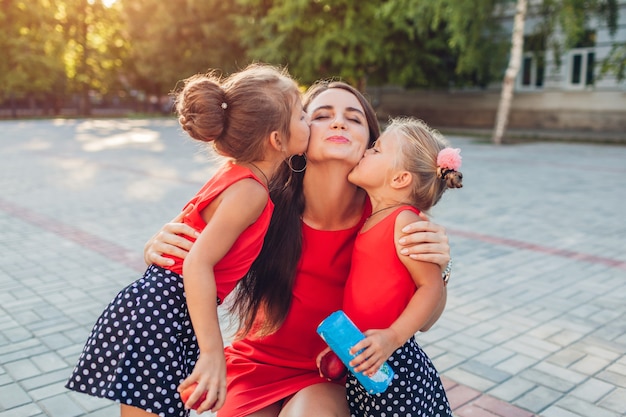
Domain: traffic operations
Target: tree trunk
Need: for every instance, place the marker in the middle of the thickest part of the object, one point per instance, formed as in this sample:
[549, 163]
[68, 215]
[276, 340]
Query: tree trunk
[517, 40]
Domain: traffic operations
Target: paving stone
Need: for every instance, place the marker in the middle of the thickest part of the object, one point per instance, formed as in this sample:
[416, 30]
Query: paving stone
[50, 378]
[615, 401]
[590, 365]
[526, 349]
[12, 396]
[56, 341]
[600, 348]
[22, 354]
[566, 357]
[512, 389]
[47, 391]
[471, 410]
[18, 347]
[28, 410]
[17, 334]
[6, 379]
[612, 378]
[516, 363]
[60, 406]
[494, 356]
[469, 379]
[538, 399]
[22, 369]
[617, 368]
[485, 371]
[91, 404]
[49, 362]
[565, 337]
[558, 372]
[546, 331]
[547, 380]
[556, 411]
[576, 405]
[25, 317]
[592, 390]
[500, 336]
[500, 408]
[461, 395]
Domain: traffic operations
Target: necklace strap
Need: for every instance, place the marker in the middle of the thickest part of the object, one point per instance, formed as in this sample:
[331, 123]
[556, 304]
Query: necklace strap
[267, 181]
[385, 208]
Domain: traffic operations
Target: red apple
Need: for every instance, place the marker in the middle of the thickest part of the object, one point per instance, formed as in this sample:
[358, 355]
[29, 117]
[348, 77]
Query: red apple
[184, 396]
[331, 366]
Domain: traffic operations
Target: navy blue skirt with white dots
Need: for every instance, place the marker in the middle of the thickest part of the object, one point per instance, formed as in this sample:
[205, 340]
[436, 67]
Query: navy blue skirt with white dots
[141, 347]
[416, 389]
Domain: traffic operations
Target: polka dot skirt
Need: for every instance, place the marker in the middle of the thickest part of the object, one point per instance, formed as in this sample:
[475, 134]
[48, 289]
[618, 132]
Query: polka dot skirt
[141, 347]
[416, 389]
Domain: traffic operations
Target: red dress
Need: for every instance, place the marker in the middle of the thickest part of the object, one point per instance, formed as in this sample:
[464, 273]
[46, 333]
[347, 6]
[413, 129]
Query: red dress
[379, 287]
[159, 348]
[263, 371]
[235, 264]
[377, 292]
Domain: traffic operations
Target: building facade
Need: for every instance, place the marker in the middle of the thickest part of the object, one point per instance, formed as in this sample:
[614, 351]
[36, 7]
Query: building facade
[549, 95]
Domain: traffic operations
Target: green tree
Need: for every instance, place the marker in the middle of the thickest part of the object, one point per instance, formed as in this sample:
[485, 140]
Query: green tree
[421, 51]
[32, 46]
[171, 40]
[317, 39]
[404, 42]
[95, 48]
[615, 63]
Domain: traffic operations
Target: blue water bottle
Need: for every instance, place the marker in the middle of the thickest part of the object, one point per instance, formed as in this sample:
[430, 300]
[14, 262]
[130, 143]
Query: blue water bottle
[340, 333]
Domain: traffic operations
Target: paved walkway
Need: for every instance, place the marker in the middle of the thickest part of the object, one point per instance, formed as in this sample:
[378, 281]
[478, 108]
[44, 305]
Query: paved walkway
[536, 318]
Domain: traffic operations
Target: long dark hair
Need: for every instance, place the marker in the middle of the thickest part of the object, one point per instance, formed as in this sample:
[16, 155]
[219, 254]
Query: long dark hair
[268, 286]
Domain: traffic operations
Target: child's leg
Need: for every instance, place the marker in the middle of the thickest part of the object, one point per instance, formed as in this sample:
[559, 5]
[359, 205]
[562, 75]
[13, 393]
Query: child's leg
[130, 411]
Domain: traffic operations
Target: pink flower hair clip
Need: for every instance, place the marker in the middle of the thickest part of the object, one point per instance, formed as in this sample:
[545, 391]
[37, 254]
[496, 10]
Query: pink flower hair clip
[448, 159]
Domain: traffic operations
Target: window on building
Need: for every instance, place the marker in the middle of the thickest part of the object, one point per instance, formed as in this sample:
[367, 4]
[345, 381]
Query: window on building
[582, 61]
[533, 63]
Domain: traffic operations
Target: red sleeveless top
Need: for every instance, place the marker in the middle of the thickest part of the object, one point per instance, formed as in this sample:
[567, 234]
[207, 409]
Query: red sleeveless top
[234, 265]
[379, 286]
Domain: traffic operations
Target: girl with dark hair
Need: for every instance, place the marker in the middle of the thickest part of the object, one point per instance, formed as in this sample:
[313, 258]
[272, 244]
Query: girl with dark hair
[161, 333]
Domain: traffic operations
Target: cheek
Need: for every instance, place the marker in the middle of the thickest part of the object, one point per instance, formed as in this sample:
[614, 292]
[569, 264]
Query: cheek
[315, 135]
[305, 131]
[364, 139]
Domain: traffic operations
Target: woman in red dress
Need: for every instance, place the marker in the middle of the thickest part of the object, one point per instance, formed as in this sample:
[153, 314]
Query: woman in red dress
[303, 266]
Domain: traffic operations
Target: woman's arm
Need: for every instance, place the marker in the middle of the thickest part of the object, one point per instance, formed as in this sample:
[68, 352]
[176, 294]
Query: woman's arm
[170, 240]
[426, 241]
[438, 311]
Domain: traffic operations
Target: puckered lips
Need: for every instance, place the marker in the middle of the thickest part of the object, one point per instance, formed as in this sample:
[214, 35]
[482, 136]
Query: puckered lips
[338, 139]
